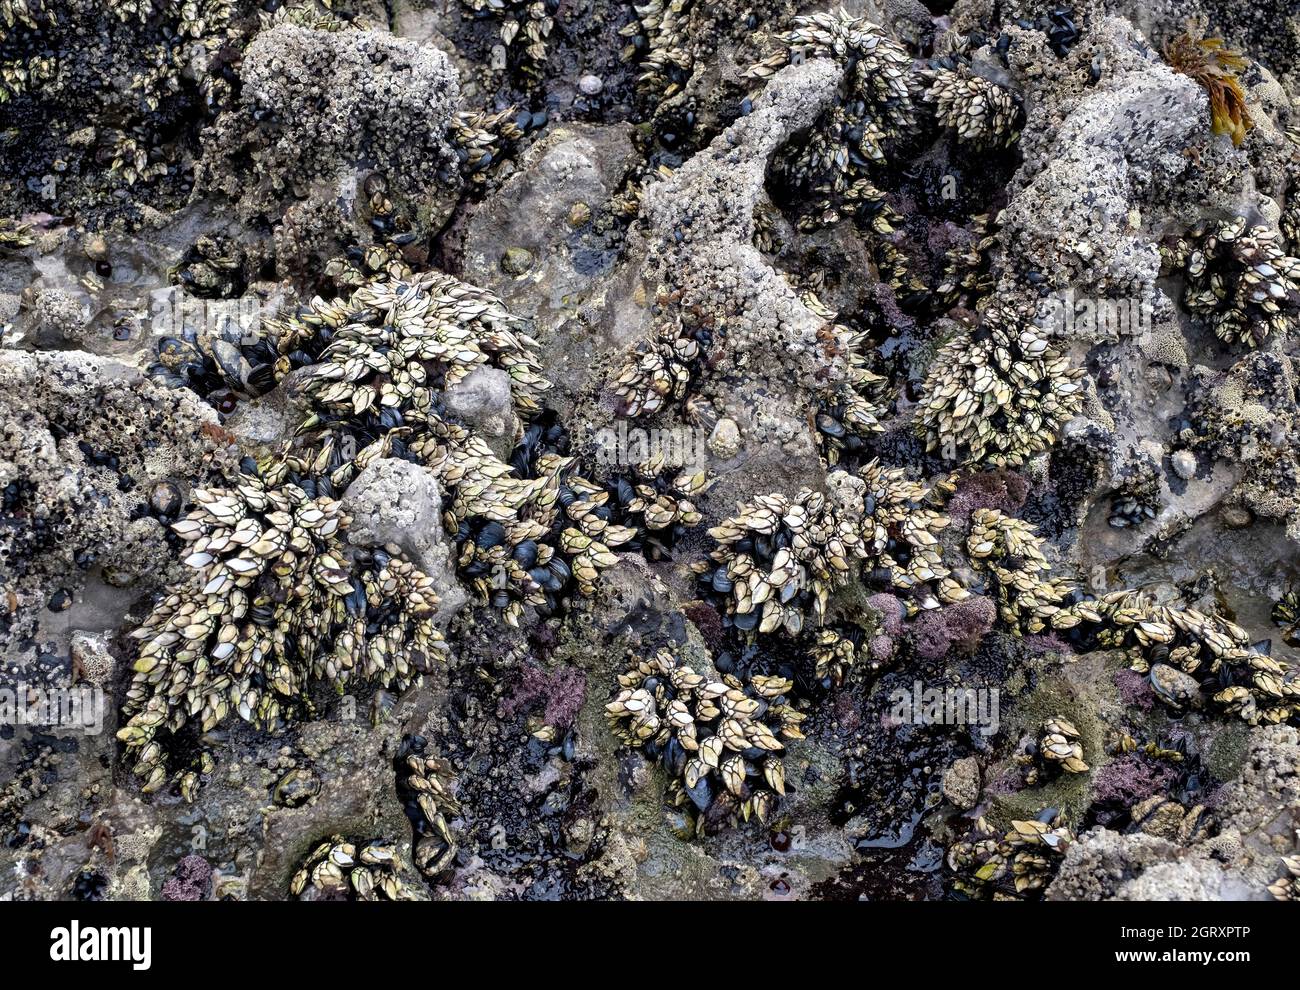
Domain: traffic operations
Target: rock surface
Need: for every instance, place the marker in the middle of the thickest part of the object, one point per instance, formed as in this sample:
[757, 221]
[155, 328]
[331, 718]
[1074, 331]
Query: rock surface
[701, 300]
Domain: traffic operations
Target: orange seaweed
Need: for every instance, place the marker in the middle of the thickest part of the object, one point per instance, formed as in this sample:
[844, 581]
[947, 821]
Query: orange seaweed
[1214, 66]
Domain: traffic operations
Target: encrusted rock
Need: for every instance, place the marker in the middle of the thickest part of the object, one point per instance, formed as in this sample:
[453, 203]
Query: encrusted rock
[397, 502]
[961, 783]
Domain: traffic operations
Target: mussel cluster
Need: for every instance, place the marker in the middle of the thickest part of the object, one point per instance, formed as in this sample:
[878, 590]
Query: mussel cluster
[526, 537]
[525, 25]
[851, 410]
[1214, 651]
[20, 25]
[1059, 26]
[220, 367]
[663, 367]
[968, 268]
[1009, 551]
[718, 739]
[427, 785]
[527, 530]
[659, 38]
[1239, 278]
[172, 52]
[998, 393]
[1136, 503]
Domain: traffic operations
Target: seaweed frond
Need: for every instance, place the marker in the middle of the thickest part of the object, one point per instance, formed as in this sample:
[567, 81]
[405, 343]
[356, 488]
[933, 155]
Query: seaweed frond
[1214, 66]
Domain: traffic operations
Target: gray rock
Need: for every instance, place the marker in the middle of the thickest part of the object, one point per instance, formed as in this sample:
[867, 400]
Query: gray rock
[91, 657]
[1235, 516]
[517, 261]
[395, 501]
[520, 243]
[155, 433]
[345, 101]
[482, 399]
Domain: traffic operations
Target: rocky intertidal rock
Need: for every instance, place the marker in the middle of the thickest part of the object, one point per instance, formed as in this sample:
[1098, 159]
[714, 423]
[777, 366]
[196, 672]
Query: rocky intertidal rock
[512, 449]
